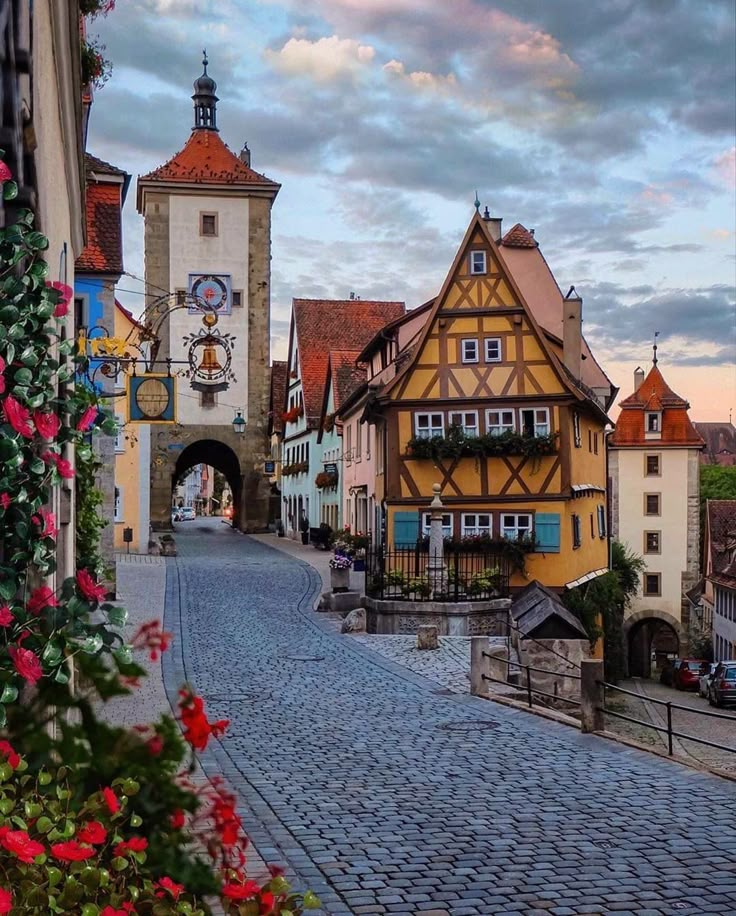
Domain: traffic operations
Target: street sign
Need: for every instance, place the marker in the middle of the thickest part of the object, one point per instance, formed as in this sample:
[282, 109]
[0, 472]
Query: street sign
[330, 468]
[269, 467]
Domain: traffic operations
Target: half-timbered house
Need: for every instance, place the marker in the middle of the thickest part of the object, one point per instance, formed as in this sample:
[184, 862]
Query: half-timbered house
[496, 396]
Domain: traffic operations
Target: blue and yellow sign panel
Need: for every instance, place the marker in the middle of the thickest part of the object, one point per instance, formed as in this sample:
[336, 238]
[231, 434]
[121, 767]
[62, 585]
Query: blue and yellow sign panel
[151, 398]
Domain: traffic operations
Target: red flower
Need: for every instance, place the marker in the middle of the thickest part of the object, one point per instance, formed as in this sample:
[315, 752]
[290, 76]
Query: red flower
[93, 833]
[240, 891]
[5, 500]
[168, 885]
[46, 519]
[155, 745]
[197, 728]
[91, 590]
[109, 911]
[150, 636]
[227, 822]
[20, 844]
[72, 851]
[47, 424]
[267, 902]
[62, 307]
[177, 819]
[26, 664]
[10, 755]
[18, 417]
[87, 419]
[63, 467]
[134, 844]
[6, 898]
[111, 800]
[41, 597]
[6, 616]
[5, 173]
[2, 377]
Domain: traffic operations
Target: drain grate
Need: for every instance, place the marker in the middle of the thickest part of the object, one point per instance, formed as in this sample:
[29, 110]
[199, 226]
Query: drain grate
[465, 727]
[305, 658]
[603, 844]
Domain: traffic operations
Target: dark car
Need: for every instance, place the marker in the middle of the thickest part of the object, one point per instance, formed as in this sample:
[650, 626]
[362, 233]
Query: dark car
[667, 675]
[723, 684]
[687, 675]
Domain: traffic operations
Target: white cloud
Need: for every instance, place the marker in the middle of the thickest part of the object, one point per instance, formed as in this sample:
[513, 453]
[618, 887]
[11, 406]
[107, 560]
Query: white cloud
[421, 79]
[325, 60]
[725, 166]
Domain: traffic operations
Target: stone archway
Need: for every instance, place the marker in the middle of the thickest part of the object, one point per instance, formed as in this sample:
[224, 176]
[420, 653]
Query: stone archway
[219, 456]
[647, 631]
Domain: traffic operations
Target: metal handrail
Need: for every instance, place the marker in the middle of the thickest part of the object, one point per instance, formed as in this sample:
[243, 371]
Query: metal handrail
[532, 668]
[529, 689]
[642, 696]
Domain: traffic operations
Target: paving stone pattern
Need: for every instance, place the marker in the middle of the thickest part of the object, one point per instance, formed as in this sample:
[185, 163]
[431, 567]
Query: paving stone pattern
[387, 796]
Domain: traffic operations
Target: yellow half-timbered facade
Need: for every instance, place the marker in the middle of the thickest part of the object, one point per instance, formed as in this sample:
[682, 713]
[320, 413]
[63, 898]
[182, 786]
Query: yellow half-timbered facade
[491, 404]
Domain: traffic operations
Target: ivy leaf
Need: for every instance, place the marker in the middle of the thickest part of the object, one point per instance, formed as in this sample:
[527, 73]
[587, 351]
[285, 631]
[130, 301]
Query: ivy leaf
[8, 588]
[117, 616]
[24, 376]
[9, 694]
[10, 190]
[61, 677]
[92, 645]
[123, 655]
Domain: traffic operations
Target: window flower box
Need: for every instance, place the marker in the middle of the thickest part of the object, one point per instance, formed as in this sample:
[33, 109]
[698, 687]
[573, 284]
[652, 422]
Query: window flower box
[456, 445]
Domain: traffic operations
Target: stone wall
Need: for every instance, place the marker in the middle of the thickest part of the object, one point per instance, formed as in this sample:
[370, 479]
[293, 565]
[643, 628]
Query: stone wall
[553, 655]
[465, 618]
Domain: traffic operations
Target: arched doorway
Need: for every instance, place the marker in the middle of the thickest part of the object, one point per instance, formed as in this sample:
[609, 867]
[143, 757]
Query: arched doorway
[652, 637]
[218, 456]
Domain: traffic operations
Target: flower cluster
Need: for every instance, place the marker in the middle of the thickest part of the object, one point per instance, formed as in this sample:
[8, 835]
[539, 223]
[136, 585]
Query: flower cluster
[197, 728]
[341, 561]
[293, 414]
[324, 480]
[153, 638]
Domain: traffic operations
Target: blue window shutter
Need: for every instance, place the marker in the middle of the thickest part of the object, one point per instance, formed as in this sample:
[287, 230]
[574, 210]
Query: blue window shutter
[406, 529]
[547, 532]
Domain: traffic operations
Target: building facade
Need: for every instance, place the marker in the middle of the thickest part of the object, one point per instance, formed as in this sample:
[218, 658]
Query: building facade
[499, 410]
[207, 232]
[719, 576]
[654, 468]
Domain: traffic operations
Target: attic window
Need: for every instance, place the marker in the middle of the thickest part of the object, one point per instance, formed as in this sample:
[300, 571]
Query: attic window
[477, 262]
[654, 422]
[208, 224]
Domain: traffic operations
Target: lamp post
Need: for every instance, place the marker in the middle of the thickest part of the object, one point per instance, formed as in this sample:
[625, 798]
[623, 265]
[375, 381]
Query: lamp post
[238, 423]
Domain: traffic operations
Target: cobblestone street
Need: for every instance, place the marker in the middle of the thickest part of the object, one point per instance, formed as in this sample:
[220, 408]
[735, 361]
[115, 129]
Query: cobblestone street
[387, 795]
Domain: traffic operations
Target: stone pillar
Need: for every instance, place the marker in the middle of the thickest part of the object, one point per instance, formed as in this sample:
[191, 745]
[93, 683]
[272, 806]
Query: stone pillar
[436, 569]
[479, 666]
[591, 695]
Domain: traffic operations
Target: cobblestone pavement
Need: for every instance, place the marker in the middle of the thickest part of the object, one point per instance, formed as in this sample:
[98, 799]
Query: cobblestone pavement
[387, 796]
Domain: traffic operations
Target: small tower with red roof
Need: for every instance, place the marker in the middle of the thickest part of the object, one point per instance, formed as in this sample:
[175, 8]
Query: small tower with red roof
[654, 483]
[207, 236]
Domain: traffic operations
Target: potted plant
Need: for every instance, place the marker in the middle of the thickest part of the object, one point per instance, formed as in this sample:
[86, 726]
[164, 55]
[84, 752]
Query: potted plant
[340, 566]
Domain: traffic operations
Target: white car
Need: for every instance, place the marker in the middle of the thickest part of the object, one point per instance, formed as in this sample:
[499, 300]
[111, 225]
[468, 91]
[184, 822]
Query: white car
[187, 514]
[704, 682]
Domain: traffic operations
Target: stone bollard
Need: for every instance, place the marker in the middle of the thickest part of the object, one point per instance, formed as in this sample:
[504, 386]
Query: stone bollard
[591, 695]
[427, 638]
[479, 665]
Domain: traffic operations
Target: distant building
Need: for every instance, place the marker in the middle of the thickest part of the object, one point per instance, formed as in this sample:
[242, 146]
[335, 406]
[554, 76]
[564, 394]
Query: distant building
[719, 569]
[275, 433]
[720, 443]
[654, 477]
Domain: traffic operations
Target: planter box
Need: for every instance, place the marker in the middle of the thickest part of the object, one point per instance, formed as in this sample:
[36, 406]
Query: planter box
[340, 579]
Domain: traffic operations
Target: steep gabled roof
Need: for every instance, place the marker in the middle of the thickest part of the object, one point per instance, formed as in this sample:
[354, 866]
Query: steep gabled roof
[277, 395]
[654, 394]
[519, 237]
[346, 375]
[322, 325]
[106, 187]
[720, 443]
[720, 524]
[377, 340]
[539, 612]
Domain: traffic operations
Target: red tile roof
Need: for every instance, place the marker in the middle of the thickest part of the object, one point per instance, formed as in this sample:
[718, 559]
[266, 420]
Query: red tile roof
[347, 377]
[720, 443]
[654, 394]
[103, 252]
[519, 237]
[278, 394]
[322, 325]
[207, 158]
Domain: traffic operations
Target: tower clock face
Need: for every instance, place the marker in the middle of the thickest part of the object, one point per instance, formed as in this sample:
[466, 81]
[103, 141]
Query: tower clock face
[212, 291]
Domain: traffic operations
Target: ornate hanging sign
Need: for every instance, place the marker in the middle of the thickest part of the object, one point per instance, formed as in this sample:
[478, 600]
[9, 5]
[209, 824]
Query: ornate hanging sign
[210, 356]
[151, 398]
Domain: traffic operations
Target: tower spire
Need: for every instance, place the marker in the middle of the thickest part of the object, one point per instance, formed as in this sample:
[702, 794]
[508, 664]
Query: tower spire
[654, 348]
[205, 100]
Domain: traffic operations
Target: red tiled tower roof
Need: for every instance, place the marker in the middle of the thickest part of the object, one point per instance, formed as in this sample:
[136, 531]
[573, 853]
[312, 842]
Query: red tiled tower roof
[519, 236]
[654, 394]
[323, 325]
[106, 187]
[207, 159]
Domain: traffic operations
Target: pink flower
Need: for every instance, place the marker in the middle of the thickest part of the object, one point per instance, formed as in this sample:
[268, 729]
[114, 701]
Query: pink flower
[92, 591]
[2, 369]
[93, 833]
[168, 885]
[26, 664]
[47, 424]
[5, 173]
[6, 898]
[41, 597]
[6, 616]
[18, 417]
[87, 419]
[62, 307]
[72, 851]
[111, 800]
[62, 465]
[20, 844]
[10, 755]
[5, 500]
[46, 519]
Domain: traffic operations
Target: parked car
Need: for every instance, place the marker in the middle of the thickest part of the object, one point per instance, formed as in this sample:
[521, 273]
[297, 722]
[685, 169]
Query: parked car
[668, 672]
[706, 672]
[176, 515]
[723, 684]
[188, 514]
[687, 676]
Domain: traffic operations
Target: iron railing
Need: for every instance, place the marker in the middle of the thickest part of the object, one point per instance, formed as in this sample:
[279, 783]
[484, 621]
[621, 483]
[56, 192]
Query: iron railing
[415, 574]
[668, 729]
[528, 687]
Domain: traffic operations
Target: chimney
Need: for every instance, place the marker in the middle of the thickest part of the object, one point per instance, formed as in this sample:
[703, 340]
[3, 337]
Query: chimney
[494, 225]
[572, 315]
[638, 377]
[245, 154]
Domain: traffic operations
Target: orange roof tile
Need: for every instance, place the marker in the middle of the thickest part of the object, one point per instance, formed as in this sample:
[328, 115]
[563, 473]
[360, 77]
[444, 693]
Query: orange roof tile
[207, 158]
[519, 237]
[333, 324]
[347, 377]
[654, 394]
[278, 393]
[103, 252]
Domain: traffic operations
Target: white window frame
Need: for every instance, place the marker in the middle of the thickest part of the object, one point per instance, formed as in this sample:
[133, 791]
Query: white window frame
[493, 340]
[470, 429]
[446, 524]
[463, 355]
[602, 522]
[516, 529]
[120, 434]
[576, 431]
[499, 429]
[358, 441]
[478, 263]
[432, 429]
[536, 423]
[467, 529]
[577, 532]
[657, 415]
[118, 513]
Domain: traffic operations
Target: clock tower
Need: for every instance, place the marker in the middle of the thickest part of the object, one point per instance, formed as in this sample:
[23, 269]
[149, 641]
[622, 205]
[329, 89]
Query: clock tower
[207, 219]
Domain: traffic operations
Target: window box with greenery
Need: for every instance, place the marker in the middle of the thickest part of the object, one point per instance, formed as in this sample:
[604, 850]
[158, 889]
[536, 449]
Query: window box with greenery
[325, 481]
[299, 467]
[457, 444]
[293, 414]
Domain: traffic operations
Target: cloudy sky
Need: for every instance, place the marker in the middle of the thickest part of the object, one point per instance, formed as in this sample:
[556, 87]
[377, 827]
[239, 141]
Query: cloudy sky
[609, 128]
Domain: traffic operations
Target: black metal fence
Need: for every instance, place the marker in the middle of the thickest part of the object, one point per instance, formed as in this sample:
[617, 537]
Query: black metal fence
[414, 574]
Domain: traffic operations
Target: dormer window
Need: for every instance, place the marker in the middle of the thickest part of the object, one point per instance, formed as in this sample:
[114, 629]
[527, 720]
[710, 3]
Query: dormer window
[653, 421]
[477, 262]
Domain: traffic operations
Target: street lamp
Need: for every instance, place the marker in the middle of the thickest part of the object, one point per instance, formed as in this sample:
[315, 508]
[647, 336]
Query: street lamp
[238, 423]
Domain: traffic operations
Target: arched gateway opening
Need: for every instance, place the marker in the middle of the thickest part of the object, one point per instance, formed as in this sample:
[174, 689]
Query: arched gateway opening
[652, 638]
[218, 456]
